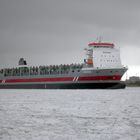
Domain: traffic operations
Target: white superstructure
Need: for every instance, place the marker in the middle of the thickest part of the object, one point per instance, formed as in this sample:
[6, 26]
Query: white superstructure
[103, 55]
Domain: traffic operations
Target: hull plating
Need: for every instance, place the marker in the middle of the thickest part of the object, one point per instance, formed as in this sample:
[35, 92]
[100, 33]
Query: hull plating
[103, 85]
[94, 79]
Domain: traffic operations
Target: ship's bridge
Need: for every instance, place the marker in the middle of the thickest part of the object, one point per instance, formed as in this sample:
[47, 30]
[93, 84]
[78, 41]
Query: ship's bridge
[103, 55]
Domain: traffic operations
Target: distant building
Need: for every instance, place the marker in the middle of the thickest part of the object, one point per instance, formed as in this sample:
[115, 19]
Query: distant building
[134, 79]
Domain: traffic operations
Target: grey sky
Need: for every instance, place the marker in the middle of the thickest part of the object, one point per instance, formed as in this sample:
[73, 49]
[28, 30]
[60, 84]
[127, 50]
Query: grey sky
[57, 31]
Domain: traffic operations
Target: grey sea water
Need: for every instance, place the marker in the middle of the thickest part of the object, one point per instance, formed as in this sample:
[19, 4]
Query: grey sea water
[70, 114]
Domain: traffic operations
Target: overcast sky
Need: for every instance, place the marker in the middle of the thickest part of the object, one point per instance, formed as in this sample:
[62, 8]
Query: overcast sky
[57, 31]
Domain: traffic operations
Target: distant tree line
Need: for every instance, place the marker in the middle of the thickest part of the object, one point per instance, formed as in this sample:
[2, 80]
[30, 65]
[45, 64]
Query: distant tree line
[133, 81]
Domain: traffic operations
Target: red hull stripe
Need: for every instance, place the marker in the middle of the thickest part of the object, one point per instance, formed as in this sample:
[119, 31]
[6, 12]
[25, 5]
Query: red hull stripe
[101, 44]
[40, 80]
[62, 79]
[117, 77]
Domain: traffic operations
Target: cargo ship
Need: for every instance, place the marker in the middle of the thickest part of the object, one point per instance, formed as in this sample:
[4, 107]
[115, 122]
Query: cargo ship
[101, 69]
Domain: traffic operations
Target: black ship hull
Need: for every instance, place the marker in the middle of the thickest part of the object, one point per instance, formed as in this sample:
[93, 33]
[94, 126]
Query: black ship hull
[107, 85]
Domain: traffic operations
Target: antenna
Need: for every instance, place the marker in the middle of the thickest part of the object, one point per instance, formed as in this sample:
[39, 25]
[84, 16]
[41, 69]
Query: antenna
[96, 39]
[100, 39]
